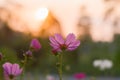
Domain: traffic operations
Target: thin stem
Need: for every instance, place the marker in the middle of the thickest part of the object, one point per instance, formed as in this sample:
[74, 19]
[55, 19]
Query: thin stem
[60, 66]
[24, 64]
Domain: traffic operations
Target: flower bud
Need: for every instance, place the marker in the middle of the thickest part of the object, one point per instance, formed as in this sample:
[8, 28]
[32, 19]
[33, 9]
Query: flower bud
[35, 44]
[29, 53]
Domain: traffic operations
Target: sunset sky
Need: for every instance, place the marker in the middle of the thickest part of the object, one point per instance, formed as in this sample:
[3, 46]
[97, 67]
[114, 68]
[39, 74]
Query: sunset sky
[68, 12]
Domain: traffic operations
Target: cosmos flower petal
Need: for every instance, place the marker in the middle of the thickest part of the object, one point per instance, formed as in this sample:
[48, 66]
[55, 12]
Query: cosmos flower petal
[7, 68]
[70, 38]
[6, 77]
[19, 72]
[59, 39]
[76, 43]
[56, 42]
[15, 69]
[55, 46]
[73, 45]
[71, 48]
[53, 41]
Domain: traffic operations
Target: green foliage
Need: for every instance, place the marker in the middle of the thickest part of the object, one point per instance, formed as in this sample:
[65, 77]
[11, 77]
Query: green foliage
[80, 60]
[9, 55]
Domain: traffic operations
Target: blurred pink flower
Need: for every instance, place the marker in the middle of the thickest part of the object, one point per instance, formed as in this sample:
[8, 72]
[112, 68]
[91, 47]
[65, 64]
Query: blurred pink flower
[11, 70]
[29, 53]
[6, 77]
[49, 77]
[35, 44]
[79, 76]
[58, 43]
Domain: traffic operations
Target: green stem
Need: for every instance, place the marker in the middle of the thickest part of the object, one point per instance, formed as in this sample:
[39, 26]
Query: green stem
[24, 64]
[60, 66]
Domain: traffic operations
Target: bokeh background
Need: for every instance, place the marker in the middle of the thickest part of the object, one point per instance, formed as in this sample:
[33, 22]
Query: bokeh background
[96, 23]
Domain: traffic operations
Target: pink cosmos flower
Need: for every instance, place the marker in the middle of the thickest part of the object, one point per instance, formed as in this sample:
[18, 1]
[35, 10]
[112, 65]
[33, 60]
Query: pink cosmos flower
[11, 70]
[79, 76]
[35, 44]
[58, 43]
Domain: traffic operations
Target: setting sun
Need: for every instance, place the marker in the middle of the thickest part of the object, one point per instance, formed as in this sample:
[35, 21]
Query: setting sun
[41, 13]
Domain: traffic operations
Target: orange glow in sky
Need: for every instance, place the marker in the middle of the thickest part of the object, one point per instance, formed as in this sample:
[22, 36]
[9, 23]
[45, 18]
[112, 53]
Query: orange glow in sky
[67, 12]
